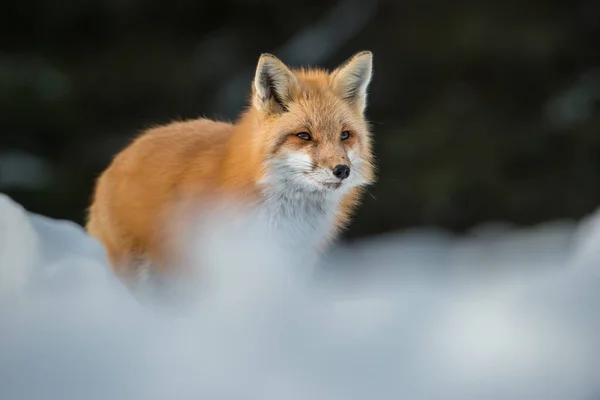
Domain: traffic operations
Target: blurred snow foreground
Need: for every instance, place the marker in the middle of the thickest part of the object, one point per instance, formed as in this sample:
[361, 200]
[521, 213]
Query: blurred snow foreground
[500, 314]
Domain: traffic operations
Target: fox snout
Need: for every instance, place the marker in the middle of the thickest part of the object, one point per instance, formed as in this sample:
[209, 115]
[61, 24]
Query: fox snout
[341, 171]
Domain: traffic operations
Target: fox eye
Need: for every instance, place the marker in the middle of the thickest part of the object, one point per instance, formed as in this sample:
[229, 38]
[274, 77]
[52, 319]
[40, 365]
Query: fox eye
[345, 135]
[304, 136]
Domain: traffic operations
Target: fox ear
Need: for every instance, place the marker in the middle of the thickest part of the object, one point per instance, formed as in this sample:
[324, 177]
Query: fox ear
[273, 84]
[352, 78]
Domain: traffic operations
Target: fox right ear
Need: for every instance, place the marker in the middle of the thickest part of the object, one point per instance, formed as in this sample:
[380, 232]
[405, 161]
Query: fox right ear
[273, 85]
[351, 80]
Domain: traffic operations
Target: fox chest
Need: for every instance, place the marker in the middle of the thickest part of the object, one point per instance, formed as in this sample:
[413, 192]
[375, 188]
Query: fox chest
[300, 222]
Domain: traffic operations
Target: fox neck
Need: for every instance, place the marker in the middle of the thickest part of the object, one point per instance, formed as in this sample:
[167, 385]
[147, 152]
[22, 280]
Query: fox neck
[299, 220]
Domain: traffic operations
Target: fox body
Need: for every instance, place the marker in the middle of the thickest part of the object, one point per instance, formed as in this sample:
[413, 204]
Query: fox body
[300, 154]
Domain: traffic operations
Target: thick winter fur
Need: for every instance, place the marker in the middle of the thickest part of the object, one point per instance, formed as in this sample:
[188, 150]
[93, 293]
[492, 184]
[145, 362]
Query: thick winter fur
[278, 157]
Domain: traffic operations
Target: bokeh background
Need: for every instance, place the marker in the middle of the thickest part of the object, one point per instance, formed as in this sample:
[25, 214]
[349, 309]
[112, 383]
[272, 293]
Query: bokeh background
[482, 110]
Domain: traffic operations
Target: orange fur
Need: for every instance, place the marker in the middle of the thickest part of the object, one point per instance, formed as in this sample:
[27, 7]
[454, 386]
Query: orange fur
[181, 160]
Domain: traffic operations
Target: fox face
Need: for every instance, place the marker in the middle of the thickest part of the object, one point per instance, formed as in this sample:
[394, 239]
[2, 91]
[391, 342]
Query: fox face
[314, 133]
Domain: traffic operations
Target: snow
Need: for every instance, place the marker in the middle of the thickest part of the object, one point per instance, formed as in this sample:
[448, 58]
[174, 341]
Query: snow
[498, 314]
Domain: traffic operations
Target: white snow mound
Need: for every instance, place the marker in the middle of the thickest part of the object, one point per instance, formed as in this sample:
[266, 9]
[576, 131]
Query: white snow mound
[499, 314]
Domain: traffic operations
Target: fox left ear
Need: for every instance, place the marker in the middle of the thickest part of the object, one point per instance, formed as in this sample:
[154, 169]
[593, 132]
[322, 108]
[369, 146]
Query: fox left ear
[352, 78]
[274, 84]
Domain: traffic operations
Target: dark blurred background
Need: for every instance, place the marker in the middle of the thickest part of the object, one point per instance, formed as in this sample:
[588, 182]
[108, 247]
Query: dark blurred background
[482, 110]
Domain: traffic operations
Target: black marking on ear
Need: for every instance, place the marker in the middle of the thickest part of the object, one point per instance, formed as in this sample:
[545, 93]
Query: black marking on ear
[268, 83]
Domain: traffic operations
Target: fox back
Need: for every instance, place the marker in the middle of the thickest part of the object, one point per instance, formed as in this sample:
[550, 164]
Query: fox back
[300, 156]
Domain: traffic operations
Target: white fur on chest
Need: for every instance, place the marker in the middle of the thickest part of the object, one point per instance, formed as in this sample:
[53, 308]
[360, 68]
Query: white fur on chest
[300, 220]
[300, 210]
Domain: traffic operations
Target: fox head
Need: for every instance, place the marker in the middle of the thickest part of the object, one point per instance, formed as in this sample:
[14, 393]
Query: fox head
[312, 126]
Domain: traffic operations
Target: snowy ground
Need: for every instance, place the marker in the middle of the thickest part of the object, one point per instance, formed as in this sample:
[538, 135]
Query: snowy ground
[501, 314]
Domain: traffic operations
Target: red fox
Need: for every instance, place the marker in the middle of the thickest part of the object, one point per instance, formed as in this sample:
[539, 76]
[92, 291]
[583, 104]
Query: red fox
[301, 152]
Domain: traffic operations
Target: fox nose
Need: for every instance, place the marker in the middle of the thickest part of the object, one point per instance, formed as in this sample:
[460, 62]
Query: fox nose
[341, 171]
